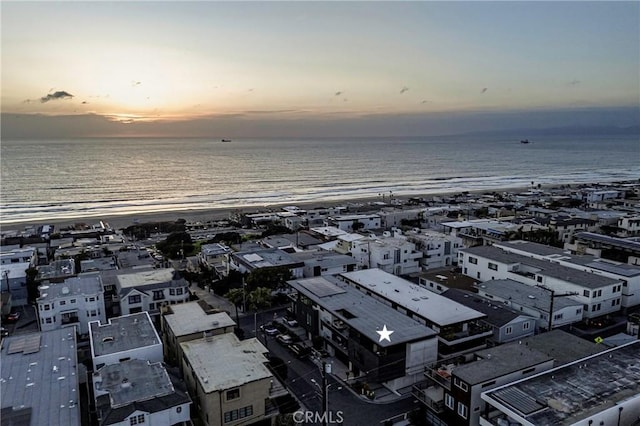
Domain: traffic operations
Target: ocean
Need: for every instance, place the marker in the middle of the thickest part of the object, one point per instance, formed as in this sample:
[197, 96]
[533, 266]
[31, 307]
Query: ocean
[82, 178]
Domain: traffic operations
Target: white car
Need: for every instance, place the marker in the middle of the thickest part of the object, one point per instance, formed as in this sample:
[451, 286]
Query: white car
[291, 322]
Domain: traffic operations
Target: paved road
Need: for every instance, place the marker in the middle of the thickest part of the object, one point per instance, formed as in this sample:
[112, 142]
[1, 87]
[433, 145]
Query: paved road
[300, 381]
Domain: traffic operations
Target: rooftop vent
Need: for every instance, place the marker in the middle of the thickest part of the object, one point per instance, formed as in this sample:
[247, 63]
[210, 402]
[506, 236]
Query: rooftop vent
[125, 383]
[531, 297]
[107, 339]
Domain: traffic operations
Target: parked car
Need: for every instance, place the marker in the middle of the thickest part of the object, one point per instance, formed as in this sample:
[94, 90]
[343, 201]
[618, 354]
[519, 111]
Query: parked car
[291, 322]
[13, 316]
[299, 350]
[285, 339]
[269, 329]
[4, 332]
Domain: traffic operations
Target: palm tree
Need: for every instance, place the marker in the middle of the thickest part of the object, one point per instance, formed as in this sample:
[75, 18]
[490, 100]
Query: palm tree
[236, 296]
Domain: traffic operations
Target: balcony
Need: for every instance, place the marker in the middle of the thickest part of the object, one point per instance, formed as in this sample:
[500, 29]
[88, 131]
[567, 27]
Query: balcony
[496, 418]
[430, 395]
[441, 375]
[473, 329]
[71, 319]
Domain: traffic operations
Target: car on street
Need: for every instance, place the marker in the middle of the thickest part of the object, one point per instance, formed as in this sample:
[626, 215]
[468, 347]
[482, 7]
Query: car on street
[291, 322]
[269, 329]
[300, 350]
[284, 339]
[13, 316]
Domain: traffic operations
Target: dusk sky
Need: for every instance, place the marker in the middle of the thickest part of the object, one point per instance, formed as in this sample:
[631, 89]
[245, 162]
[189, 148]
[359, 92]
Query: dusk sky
[317, 68]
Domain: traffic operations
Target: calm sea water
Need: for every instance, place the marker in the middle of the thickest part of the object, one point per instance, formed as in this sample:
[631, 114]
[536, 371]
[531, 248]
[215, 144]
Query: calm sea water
[43, 180]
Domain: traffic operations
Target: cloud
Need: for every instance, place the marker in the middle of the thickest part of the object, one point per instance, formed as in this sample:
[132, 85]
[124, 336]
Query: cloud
[404, 89]
[484, 90]
[61, 94]
[338, 93]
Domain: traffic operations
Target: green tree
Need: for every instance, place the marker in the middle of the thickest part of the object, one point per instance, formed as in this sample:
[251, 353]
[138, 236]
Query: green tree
[271, 278]
[236, 296]
[260, 298]
[32, 285]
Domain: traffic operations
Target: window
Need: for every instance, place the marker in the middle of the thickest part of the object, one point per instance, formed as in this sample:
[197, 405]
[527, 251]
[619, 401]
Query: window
[473, 260]
[135, 299]
[63, 302]
[599, 293]
[241, 413]
[48, 320]
[478, 274]
[178, 409]
[449, 401]
[462, 385]
[526, 325]
[172, 292]
[152, 306]
[558, 316]
[508, 330]
[233, 394]
[462, 410]
[136, 420]
[578, 311]
[493, 266]
[47, 307]
[158, 294]
[539, 278]
[73, 301]
[179, 291]
[586, 293]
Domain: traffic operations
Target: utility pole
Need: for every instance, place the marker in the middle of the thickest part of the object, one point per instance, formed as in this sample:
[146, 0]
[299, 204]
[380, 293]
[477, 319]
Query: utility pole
[326, 368]
[553, 296]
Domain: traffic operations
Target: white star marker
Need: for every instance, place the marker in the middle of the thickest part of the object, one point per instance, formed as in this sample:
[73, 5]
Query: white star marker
[384, 334]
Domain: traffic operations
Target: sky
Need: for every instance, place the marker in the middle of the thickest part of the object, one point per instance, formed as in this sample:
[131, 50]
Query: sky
[251, 69]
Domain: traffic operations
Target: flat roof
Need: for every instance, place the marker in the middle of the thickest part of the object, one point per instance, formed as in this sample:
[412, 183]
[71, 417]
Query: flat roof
[149, 277]
[189, 318]
[224, 362]
[361, 312]
[543, 267]
[434, 307]
[574, 392]
[322, 258]
[40, 378]
[497, 313]
[264, 258]
[86, 285]
[621, 242]
[499, 361]
[526, 295]
[122, 334]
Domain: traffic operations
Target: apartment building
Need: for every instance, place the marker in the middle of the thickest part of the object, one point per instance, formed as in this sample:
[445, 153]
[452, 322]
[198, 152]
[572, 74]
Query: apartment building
[438, 250]
[228, 380]
[629, 275]
[247, 261]
[354, 222]
[599, 295]
[74, 302]
[40, 380]
[190, 321]
[138, 392]
[395, 255]
[460, 329]
[625, 250]
[348, 322]
[317, 263]
[150, 289]
[123, 338]
[573, 394]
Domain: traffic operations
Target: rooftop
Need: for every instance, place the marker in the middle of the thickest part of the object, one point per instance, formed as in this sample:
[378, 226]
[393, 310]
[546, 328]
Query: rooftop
[86, 285]
[40, 379]
[525, 295]
[264, 258]
[543, 267]
[151, 277]
[224, 362]
[621, 242]
[214, 249]
[326, 259]
[361, 312]
[497, 313]
[122, 333]
[434, 307]
[570, 393]
[189, 318]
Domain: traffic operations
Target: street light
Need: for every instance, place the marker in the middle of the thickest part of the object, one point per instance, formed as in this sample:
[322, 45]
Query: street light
[326, 369]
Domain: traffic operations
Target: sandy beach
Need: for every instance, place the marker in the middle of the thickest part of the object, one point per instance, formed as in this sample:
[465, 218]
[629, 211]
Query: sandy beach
[214, 214]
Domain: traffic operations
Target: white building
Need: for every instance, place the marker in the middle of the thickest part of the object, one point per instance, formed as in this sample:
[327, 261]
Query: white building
[347, 222]
[629, 275]
[392, 217]
[74, 302]
[600, 295]
[439, 250]
[629, 226]
[395, 255]
[345, 244]
[13, 279]
[138, 392]
[124, 338]
[27, 255]
[150, 289]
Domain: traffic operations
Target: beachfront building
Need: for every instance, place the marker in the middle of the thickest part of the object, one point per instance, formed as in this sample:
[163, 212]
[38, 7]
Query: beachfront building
[486, 231]
[74, 302]
[348, 321]
[460, 329]
[248, 261]
[138, 392]
[150, 289]
[228, 380]
[123, 338]
[625, 250]
[190, 321]
[453, 387]
[599, 295]
[395, 255]
[438, 249]
[629, 275]
[354, 222]
[391, 217]
[40, 380]
[566, 226]
[315, 217]
[533, 301]
[573, 394]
